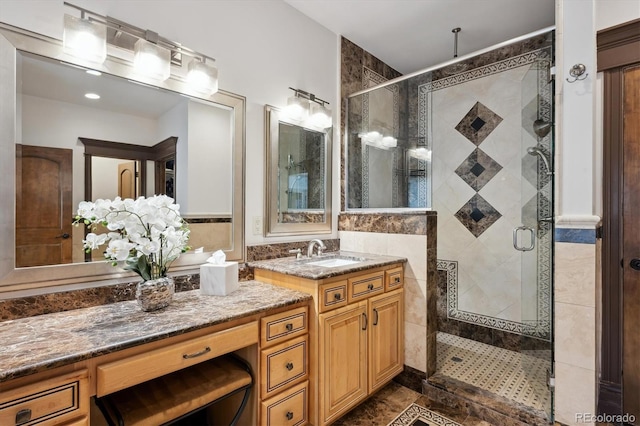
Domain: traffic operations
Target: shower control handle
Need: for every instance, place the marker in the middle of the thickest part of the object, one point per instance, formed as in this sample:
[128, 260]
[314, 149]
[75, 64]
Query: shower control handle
[635, 264]
[515, 238]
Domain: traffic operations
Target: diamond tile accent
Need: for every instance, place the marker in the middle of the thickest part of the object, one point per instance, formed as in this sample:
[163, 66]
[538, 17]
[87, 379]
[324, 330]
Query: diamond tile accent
[477, 215]
[478, 169]
[479, 122]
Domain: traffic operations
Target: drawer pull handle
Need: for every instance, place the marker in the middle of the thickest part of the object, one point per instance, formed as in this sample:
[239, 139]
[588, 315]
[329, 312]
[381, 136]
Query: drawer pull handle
[289, 366]
[337, 296]
[289, 327]
[23, 416]
[396, 280]
[197, 354]
[289, 415]
[375, 321]
[371, 286]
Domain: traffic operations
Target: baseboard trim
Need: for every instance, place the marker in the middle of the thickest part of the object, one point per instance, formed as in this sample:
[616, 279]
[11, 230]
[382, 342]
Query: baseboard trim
[609, 398]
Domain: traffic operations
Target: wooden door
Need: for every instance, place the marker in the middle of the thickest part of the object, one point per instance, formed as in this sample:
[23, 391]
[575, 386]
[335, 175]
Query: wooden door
[386, 339]
[127, 178]
[343, 360]
[631, 243]
[43, 206]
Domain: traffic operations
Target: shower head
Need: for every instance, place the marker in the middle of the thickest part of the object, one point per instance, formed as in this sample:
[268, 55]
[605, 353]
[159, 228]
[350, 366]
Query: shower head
[541, 128]
[534, 150]
[458, 67]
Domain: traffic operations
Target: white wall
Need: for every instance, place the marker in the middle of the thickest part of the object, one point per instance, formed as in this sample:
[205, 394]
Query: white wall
[261, 47]
[579, 124]
[61, 123]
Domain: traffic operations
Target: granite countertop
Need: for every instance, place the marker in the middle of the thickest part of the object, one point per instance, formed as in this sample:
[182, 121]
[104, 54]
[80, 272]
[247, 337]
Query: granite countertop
[301, 267]
[38, 343]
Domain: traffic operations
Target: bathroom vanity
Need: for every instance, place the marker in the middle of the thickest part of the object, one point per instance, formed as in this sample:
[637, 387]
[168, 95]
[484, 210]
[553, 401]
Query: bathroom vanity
[356, 324]
[52, 365]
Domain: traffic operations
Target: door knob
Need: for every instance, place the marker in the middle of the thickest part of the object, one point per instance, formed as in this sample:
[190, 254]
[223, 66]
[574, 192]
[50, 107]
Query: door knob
[635, 264]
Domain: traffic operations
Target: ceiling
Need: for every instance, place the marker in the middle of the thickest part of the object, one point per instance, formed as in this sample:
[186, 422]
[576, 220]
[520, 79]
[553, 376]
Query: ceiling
[410, 35]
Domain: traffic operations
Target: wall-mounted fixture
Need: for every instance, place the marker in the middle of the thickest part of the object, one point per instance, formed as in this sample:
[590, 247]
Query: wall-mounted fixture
[90, 35]
[378, 140]
[577, 71]
[302, 105]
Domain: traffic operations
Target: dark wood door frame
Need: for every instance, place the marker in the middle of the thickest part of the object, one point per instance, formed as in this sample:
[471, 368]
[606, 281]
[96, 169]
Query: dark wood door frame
[618, 47]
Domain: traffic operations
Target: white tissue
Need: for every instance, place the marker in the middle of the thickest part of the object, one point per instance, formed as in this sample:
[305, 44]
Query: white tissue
[217, 258]
[218, 277]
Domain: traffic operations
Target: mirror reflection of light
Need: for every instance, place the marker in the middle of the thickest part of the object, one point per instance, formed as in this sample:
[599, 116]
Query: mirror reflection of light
[94, 72]
[377, 140]
[92, 96]
[421, 153]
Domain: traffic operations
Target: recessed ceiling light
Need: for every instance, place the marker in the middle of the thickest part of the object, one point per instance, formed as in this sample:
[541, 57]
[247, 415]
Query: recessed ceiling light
[92, 96]
[94, 72]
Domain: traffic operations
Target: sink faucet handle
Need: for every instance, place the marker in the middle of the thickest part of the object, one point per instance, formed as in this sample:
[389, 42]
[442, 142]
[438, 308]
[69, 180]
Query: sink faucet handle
[297, 252]
[312, 244]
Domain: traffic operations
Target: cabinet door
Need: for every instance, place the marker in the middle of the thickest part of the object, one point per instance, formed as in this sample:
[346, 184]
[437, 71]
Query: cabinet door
[343, 359]
[386, 338]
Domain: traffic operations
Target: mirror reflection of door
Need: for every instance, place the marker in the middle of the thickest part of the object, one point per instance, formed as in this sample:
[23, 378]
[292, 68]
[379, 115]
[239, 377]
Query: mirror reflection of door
[128, 180]
[43, 206]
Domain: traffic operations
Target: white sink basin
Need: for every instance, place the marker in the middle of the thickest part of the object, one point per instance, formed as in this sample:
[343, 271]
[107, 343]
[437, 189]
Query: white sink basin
[333, 263]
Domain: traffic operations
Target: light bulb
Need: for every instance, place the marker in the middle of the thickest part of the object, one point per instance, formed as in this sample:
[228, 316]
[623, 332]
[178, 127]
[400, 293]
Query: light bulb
[152, 60]
[203, 77]
[84, 39]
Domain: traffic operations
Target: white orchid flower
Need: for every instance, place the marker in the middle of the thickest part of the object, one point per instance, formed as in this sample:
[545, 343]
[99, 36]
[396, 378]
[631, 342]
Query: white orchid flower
[119, 249]
[93, 241]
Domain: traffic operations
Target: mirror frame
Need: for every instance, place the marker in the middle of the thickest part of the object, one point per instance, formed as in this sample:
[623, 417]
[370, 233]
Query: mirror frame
[273, 117]
[12, 40]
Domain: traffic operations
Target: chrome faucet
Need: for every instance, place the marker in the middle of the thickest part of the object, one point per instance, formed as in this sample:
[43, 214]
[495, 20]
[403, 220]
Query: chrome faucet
[312, 244]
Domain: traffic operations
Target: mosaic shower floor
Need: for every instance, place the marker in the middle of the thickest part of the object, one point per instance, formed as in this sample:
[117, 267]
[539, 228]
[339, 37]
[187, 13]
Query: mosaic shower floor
[519, 377]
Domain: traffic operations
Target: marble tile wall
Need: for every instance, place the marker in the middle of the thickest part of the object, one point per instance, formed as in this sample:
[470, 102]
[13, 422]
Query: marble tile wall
[355, 61]
[575, 330]
[393, 234]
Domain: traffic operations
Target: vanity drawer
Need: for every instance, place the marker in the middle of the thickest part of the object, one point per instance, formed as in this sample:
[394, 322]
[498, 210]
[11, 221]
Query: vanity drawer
[121, 374]
[365, 285]
[333, 296]
[289, 408]
[284, 365]
[49, 402]
[282, 326]
[394, 278]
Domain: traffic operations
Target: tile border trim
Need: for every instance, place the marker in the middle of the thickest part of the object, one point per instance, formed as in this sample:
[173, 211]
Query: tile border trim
[575, 235]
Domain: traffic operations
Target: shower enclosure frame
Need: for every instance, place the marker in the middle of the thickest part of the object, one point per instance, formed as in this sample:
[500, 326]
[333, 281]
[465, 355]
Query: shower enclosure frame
[539, 158]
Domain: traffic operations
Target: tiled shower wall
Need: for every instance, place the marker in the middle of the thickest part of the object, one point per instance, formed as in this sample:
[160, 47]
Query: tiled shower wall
[480, 123]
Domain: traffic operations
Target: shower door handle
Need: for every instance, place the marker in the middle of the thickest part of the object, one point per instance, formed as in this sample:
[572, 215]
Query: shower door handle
[515, 238]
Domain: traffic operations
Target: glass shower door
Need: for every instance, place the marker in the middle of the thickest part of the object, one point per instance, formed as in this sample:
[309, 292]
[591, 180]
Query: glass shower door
[534, 238]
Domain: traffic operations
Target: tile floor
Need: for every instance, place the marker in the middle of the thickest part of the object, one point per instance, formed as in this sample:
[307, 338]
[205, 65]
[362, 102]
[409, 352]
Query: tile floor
[393, 399]
[517, 376]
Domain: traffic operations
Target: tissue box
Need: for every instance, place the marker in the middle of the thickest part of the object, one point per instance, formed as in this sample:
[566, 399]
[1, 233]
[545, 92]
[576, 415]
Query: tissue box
[219, 280]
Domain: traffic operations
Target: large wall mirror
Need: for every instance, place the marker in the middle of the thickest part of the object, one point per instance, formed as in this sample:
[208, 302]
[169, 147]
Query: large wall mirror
[298, 176]
[59, 147]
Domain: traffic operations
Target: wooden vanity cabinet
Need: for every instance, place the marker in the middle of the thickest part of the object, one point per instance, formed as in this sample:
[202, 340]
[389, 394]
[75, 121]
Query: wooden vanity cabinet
[284, 369]
[356, 335]
[61, 400]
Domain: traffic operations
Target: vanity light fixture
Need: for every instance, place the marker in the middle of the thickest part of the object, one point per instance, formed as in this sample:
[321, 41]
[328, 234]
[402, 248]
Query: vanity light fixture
[303, 104]
[421, 153]
[377, 140]
[84, 38]
[150, 59]
[202, 76]
[154, 56]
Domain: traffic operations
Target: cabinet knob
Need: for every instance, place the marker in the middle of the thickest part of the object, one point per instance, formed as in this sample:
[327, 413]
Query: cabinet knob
[396, 280]
[289, 327]
[289, 366]
[337, 296]
[371, 286]
[289, 415]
